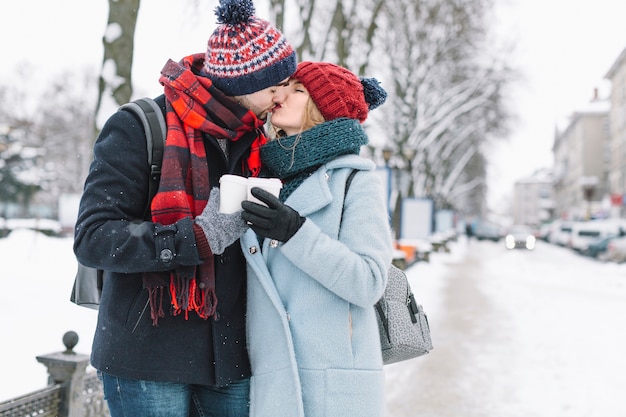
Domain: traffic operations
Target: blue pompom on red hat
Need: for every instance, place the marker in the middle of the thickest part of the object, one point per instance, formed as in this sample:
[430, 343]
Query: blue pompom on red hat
[246, 54]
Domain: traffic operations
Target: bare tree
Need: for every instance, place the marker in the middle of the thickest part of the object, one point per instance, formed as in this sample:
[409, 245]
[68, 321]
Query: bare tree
[115, 86]
[115, 82]
[43, 143]
[447, 96]
[339, 31]
[64, 127]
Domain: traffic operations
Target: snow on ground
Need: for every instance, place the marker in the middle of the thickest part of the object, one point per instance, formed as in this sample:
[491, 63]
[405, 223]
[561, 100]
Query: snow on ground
[35, 284]
[38, 271]
[36, 278]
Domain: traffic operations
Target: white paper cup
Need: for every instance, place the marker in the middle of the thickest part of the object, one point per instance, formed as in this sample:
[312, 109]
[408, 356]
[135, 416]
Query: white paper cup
[272, 185]
[233, 190]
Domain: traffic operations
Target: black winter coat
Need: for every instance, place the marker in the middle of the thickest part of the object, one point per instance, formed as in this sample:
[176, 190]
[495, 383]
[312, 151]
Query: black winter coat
[114, 233]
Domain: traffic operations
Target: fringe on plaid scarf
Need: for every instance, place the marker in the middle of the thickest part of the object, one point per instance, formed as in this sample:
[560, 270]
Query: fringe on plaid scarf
[193, 106]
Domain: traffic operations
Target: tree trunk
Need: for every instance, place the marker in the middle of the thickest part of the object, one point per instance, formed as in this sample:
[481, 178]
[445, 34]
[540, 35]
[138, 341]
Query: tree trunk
[115, 84]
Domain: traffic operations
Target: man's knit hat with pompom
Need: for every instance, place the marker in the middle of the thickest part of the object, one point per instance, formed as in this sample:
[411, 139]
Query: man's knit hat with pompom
[338, 92]
[246, 54]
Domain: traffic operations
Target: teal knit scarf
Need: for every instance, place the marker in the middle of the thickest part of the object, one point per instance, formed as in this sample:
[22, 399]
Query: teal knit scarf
[294, 158]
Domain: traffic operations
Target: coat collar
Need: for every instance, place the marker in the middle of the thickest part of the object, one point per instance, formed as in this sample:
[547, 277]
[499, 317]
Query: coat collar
[316, 192]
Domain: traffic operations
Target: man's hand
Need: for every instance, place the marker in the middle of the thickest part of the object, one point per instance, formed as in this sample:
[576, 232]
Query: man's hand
[221, 230]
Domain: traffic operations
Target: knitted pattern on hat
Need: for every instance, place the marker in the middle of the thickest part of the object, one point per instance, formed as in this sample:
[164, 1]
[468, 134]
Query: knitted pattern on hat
[246, 54]
[338, 92]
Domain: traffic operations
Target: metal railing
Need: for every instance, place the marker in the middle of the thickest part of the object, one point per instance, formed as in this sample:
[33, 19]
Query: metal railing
[45, 402]
[72, 391]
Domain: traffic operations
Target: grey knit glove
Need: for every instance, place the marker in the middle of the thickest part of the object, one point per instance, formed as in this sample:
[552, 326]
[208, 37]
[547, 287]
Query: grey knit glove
[221, 229]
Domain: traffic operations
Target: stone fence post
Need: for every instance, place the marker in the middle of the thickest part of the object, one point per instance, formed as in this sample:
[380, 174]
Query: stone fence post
[67, 369]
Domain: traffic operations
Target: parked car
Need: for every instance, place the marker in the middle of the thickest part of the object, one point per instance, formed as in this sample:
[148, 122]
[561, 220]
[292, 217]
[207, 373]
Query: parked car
[597, 249]
[583, 233]
[616, 250]
[560, 233]
[520, 237]
[544, 231]
[487, 231]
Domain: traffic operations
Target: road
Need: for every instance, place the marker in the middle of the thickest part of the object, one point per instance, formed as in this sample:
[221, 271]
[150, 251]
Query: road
[516, 334]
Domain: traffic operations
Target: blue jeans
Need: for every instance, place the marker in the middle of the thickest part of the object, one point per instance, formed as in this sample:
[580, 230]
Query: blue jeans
[136, 398]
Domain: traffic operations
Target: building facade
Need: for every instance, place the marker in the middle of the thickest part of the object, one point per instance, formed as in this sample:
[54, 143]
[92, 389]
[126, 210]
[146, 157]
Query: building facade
[617, 136]
[581, 165]
[533, 199]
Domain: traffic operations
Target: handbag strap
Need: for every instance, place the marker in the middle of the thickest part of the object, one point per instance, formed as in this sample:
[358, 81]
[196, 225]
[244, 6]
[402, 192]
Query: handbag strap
[348, 182]
[378, 306]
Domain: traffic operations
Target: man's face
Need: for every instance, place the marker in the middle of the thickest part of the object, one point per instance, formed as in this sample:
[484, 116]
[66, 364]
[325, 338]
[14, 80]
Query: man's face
[260, 102]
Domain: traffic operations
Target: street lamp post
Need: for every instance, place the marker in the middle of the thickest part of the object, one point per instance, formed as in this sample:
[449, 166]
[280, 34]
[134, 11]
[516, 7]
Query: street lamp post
[409, 155]
[387, 152]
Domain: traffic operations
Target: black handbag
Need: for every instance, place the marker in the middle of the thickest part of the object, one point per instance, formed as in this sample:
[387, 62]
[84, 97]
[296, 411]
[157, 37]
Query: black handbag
[87, 287]
[402, 324]
[88, 281]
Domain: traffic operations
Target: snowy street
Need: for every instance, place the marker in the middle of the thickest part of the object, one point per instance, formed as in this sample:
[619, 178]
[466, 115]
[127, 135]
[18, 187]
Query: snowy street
[516, 333]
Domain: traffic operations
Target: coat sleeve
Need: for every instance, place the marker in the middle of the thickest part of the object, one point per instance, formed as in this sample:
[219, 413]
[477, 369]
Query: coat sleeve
[354, 265]
[113, 229]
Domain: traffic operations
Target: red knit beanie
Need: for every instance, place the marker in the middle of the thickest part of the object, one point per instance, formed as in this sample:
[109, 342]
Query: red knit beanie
[338, 92]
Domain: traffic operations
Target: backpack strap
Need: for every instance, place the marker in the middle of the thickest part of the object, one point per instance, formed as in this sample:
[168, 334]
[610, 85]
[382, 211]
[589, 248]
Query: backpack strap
[153, 121]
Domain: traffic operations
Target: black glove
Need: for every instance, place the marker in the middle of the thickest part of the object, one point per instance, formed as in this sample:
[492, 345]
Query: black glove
[276, 221]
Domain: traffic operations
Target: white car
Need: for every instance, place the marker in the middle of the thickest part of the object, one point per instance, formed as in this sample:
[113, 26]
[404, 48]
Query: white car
[561, 233]
[584, 233]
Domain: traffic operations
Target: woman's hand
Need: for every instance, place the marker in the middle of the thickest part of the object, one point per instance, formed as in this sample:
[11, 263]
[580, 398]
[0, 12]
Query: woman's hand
[276, 221]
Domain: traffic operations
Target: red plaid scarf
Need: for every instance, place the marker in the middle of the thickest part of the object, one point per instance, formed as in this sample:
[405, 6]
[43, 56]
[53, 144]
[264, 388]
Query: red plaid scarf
[193, 106]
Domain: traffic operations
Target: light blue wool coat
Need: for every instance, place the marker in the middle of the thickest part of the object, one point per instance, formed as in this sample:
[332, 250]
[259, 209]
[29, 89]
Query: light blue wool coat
[311, 328]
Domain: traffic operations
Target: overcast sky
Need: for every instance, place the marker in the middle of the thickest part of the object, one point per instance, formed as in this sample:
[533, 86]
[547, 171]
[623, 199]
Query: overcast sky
[564, 49]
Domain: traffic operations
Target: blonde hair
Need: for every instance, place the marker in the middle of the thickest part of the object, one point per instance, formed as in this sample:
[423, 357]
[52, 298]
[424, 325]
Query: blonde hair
[312, 115]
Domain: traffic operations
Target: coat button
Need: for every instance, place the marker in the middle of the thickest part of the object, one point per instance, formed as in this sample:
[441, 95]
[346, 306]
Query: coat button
[166, 256]
[273, 243]
[252, 250]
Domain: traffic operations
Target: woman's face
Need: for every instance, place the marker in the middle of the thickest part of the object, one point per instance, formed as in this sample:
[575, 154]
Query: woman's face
[290, 99]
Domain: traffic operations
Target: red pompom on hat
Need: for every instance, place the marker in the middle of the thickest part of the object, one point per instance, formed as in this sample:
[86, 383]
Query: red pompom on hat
[338, 92]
